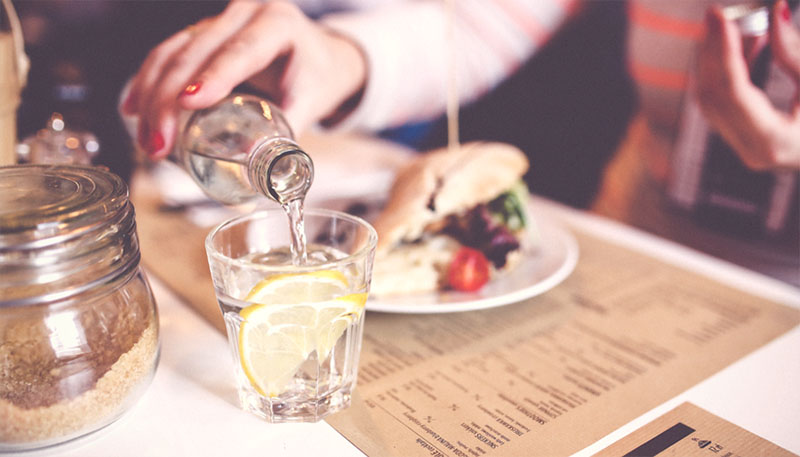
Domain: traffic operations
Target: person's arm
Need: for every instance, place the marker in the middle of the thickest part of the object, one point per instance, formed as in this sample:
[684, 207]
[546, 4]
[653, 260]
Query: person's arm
[407, 47]
[306, 68]
[391, 59]
[763, 136]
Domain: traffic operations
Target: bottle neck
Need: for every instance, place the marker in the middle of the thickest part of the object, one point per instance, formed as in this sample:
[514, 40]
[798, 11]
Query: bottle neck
[279, 169]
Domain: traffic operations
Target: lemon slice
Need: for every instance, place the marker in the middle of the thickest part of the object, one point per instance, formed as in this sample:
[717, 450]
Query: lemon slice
[310, 287]
[277, 336]
[333, 320]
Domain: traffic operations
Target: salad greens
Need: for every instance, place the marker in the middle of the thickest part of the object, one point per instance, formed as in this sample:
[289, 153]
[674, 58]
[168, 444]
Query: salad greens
[509, 208]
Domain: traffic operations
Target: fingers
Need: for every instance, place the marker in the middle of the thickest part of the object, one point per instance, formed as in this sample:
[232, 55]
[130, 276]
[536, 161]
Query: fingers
[151, 67]
[733, 105]
[262, 41]
[721, 67]
[168, 70]
[300, 111]
[785, 39]
[723, 81]
[272, 46]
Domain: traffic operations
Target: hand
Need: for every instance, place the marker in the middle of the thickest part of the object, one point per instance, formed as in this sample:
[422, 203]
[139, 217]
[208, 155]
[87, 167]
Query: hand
[763, 136]
[308, 70]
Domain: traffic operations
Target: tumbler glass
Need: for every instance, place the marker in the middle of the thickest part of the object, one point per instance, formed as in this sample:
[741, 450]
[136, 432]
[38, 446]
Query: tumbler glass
[294, 329]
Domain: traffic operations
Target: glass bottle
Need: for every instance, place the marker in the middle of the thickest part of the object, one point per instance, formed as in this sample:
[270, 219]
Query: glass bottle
[242, 147]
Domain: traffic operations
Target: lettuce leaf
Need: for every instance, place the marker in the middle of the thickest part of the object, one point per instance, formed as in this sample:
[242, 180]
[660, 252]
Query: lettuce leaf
[509, 208]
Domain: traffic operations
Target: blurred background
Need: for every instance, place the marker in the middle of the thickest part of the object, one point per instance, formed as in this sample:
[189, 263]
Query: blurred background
[82, 53]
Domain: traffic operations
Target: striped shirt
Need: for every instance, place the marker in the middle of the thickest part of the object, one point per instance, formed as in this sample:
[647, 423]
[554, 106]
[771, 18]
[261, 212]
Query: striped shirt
[663, 179]
[408, 51]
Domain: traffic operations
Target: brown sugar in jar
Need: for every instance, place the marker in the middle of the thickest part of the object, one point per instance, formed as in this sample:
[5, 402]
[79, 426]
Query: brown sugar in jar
[78, 323]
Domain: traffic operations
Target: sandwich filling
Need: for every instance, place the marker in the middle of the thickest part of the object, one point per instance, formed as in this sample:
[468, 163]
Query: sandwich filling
[494, 228]
[452, 220]
[498, 230]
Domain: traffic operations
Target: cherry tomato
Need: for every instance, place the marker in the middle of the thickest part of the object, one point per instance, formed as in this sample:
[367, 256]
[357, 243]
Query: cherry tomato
[468, 271]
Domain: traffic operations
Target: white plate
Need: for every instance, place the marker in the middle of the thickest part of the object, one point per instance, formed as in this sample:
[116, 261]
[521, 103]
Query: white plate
[538, 272]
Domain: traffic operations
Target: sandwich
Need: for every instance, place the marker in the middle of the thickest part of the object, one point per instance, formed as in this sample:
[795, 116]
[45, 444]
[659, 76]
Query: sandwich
[454, 220]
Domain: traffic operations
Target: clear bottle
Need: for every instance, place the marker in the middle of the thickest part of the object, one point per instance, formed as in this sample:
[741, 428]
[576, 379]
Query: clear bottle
[243, 147]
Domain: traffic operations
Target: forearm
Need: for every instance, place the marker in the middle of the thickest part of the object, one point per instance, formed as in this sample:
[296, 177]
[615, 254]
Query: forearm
[407, 48]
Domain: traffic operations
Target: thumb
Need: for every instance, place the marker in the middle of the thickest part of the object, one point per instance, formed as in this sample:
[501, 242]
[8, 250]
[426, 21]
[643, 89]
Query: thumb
[299, 114]
[785, 38]
[720, 64]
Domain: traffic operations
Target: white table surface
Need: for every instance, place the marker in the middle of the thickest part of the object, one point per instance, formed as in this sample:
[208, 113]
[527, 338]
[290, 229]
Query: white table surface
[191, 407]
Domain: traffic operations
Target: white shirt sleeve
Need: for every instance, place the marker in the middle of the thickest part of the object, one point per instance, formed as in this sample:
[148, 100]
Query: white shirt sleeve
[407, 47]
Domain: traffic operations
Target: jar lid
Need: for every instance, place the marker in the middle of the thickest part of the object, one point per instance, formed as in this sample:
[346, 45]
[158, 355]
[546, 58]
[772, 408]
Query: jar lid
[64, 230]
[40, 202]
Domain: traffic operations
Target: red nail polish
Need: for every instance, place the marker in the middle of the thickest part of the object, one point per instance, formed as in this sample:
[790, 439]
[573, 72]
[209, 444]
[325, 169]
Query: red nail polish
[785, 11]
[156, 143]
[192, 88]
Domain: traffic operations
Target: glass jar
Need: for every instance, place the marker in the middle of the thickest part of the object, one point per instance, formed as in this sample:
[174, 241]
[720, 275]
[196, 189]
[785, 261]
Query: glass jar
[79, 338]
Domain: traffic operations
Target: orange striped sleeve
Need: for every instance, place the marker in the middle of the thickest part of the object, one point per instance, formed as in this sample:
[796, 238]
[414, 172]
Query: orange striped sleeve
[648, 19]
[658, 77]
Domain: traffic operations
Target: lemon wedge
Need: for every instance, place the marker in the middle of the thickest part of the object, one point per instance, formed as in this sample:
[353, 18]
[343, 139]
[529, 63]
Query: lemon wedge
[309, 287]
[294, 315]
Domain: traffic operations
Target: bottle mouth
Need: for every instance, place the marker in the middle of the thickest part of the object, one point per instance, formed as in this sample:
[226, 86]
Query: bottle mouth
[290, 175]
[285, 175]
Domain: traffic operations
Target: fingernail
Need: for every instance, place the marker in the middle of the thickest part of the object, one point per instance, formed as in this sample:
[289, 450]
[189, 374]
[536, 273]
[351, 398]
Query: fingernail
[156, 143]
[786, 13]
[192, 88]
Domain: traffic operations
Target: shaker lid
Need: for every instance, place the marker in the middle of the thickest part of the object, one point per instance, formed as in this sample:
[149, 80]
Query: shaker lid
[40, 202]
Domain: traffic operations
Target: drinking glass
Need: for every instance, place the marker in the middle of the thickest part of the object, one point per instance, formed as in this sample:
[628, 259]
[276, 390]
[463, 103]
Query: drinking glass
[294, 330]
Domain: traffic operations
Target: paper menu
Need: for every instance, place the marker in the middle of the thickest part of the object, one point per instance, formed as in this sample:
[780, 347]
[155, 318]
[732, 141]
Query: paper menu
[547, 376]
[554, 374]
[690, 431]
